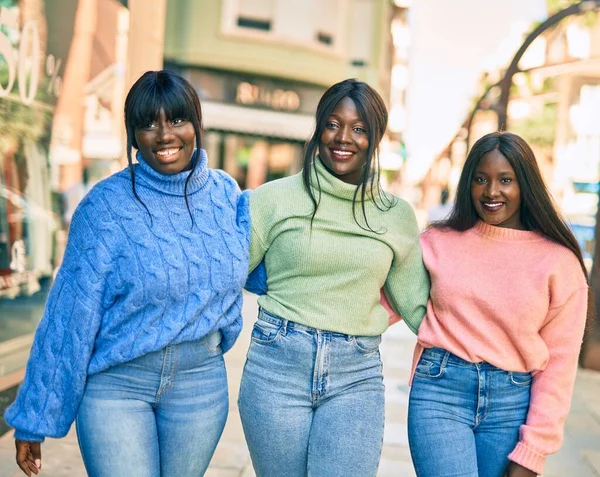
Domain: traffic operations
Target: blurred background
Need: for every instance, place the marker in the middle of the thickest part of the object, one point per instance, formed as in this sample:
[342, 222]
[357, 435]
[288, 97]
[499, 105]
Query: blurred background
[450, 71]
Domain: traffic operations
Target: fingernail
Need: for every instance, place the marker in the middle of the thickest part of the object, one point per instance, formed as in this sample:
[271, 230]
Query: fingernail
[38, 463]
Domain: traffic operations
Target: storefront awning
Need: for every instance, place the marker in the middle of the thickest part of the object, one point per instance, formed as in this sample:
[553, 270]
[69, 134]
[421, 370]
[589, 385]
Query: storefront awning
[227, 117]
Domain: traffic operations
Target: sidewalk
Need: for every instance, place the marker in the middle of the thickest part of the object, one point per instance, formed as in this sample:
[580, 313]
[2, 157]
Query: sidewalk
[579, 456]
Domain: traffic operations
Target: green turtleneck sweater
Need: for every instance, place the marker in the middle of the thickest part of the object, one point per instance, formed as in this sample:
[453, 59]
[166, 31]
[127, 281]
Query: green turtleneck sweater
[329, 277]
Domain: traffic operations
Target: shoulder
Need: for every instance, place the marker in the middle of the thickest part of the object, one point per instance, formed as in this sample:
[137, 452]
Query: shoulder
[107, 192]
[400, 207]
[434, 234]
[275, 191]
[223, 187]
[279, 185]
[399, 217]
[562, 264]
[224, 180]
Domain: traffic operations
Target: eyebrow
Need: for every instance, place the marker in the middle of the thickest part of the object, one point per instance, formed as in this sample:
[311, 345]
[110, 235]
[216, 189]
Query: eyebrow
[358, 119]
[505, 172]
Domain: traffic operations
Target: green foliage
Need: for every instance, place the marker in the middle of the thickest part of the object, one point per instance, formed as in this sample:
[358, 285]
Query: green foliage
[538, 130]
[558, 5]
[554, 6]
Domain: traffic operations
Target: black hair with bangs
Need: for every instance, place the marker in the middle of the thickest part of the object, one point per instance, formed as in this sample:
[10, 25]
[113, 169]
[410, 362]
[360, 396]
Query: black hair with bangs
[153, 91]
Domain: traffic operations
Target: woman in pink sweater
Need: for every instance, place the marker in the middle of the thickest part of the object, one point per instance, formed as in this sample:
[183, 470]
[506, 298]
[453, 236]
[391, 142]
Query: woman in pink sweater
[497, 352]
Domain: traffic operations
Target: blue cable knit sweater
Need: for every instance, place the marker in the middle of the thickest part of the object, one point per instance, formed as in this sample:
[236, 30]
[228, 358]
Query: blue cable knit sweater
[129, 285]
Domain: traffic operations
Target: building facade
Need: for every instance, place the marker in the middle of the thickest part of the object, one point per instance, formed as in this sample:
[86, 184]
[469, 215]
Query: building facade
[261, 66]
[65, 70]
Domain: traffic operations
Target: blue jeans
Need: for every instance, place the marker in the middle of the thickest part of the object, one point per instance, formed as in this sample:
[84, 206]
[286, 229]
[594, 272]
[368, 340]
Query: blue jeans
[159, 415]
[464, 418]
[312, 401]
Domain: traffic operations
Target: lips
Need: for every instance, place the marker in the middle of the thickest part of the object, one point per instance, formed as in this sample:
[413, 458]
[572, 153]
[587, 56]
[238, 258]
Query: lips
[492, 206]
[341, 154]
[166, 155]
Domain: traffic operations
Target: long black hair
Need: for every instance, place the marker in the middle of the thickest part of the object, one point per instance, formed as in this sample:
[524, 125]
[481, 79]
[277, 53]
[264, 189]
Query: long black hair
[374, 114]
[166, 90]
[538, 211]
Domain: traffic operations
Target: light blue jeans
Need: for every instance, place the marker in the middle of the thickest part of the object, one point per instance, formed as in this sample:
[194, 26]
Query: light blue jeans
[464, 418]
[159, 415]
[311, 401]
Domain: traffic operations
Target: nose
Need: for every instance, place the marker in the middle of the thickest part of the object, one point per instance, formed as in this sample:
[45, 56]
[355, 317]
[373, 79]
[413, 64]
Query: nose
[493, 189]
[344, 135]
[164, 133]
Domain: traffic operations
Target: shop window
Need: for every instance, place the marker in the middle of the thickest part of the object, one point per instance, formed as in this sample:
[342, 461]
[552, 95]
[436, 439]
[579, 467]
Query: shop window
[264, 25]
[255, 14]
[325, 38]
[311, 23]
[362, 25]
[327, 23]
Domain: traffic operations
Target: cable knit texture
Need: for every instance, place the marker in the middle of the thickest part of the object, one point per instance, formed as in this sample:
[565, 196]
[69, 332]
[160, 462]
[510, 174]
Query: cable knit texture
[329, 276]
[130, 285]
[516, 300]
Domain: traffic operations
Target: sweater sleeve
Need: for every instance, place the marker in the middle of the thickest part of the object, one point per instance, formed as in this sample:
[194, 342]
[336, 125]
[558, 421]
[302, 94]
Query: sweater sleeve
[49, 397]
[407, 285]
[552, 388]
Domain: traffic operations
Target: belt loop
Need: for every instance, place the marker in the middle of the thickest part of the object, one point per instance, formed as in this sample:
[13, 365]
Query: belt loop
[284, 326]
[445, 359]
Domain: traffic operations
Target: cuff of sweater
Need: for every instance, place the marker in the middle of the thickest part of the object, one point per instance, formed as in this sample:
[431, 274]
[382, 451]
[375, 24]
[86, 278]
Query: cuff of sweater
[27, 436]
[528, 458]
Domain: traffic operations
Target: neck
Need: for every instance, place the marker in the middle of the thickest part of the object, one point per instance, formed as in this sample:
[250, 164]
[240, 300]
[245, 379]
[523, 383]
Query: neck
[322, 179]
[174, 184]
[504, 233]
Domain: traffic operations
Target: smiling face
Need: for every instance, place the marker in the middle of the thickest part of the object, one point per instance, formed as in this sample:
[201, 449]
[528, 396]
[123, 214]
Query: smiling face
[344, 142]
[167, 145]
[495, 192]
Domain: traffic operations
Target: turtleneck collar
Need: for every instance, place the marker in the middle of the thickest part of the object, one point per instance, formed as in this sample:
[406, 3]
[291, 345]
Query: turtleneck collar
[504, 234]
[329, 184]
[173, 184]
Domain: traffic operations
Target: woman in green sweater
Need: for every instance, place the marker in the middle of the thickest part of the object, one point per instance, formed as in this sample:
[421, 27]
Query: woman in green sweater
[312, 394]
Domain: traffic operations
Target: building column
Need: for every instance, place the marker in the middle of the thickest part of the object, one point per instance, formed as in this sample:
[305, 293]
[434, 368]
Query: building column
[146, 37]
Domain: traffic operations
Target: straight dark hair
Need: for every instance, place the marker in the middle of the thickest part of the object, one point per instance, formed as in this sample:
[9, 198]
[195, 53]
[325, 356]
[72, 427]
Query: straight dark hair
[538, 211]
[166, 90]
[374, 114]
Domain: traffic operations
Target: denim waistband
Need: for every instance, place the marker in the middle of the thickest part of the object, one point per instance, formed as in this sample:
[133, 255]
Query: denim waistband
[292, 325]
[441, 355]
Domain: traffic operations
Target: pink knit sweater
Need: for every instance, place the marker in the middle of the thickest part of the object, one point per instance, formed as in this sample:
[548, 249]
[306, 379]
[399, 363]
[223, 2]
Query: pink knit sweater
[518, 301]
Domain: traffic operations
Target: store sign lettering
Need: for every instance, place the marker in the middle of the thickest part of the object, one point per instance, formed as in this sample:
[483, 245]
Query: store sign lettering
[252, 95]
[23, 63]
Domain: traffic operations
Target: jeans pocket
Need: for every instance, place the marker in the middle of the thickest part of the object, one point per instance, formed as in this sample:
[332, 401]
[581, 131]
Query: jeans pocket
[520, 379]
[430, 368]
[265, 332]
[366, 344]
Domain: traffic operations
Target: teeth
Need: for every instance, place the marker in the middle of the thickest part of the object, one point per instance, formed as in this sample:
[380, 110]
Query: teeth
[167, 152]
[494, 204]
[342, 153]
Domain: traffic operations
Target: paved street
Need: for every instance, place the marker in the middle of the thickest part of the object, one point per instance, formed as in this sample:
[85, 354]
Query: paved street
[579, 457]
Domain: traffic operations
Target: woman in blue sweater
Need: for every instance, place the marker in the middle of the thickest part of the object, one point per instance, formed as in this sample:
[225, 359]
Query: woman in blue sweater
[147, 300]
